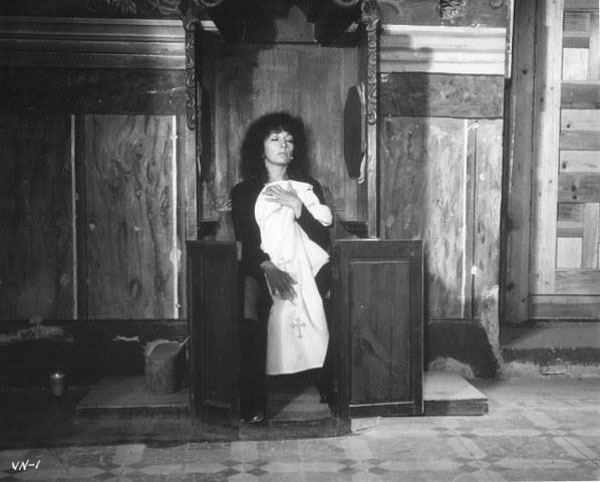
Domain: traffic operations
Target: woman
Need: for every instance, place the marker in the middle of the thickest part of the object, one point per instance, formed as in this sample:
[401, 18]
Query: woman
[274, 150]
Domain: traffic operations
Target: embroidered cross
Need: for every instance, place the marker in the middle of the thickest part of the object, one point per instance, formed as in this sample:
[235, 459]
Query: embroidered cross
[297, 323]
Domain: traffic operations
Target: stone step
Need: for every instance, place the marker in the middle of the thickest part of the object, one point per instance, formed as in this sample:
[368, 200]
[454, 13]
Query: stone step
[448, 393]
[552, 349]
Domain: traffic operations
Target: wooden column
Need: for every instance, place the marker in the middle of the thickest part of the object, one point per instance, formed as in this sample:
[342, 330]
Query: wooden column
[517, 188]
[548, 68]
[370, 19]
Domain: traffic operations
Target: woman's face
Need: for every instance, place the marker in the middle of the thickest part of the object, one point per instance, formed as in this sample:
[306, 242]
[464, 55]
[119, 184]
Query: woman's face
[279, 148]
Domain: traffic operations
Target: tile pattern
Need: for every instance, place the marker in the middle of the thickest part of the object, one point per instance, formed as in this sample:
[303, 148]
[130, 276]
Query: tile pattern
[536, 430]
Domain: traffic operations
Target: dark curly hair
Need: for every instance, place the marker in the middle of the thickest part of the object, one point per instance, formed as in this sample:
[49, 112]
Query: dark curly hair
[252, 164]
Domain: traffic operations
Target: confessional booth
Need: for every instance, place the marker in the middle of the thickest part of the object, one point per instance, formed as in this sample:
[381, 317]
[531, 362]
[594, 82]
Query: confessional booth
[316, 60]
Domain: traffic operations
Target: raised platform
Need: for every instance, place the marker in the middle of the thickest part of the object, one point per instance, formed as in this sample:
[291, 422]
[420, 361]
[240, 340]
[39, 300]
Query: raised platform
[552, 348]
[127, 396]
[447, 393]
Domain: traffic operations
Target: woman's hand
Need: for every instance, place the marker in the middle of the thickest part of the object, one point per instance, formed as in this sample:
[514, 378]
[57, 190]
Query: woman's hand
[280, 282]
[277, 194]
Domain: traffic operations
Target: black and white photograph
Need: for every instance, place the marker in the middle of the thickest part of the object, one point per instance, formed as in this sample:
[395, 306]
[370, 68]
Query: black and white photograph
[300, 240]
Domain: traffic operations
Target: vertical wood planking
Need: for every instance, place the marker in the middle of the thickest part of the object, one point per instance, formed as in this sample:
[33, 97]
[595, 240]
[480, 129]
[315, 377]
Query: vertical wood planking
[518, 170]
[488, 193]
[594, 49]
[186, 213]
[423, 197]
[589, 250]
[36, 268]
[129, 216]
[548, 67]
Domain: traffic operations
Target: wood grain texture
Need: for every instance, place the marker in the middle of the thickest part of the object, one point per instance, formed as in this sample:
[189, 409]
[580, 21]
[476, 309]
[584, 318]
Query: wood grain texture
[570, 220]
[580, 140]
[441, 95]
[568, 252]
[569, 307]
[308, 81]
[581, 5]
[580, 161]
[36, 265]
[578, 282]
[580, 95]
[426, 12]
[548, 67]
[579, 188]
[580, 120]
[367, 325]
[594, 48]
[575, 63]
[129, 214]
[589, 250]
[101, 91]
[380, 351]
[423, 197]
[488, 193]
[518, 168]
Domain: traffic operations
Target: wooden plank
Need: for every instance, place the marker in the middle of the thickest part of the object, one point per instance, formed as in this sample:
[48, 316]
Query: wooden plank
[571, 307]
[580, 140]
[591, 221]
[570, 220]
[518, 168]
[548, 68]
[580, 120]
[129, 212]
[579, 188]
[441, 95]
[488, 194]
[103, 91]
[580, 95]
[568, 253]
[423, 182]
[581, 5]
[575, 61]
[594, 56]
[576, 22]
[577, 282]
[576, 40]
[36, 257]
[186, 216]
[580, 161]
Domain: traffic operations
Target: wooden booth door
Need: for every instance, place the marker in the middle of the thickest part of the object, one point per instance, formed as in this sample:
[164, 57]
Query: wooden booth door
[565, 278]
[378, 315]
[213, 312]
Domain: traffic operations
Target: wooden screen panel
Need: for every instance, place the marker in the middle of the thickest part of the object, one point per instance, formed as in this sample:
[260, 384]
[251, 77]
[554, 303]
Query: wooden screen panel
[425, 195]
[36, 230]
[377, 299]
[213, 325]
[129, 217]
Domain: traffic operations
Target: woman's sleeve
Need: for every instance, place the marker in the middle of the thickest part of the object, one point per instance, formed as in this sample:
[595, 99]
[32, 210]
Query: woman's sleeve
[245, 227]
[313, 228]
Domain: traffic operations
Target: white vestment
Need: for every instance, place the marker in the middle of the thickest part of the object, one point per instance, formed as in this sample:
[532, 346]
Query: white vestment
[297, 330]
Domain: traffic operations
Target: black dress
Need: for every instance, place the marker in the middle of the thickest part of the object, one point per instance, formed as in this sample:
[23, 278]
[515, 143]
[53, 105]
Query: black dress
[253, 335]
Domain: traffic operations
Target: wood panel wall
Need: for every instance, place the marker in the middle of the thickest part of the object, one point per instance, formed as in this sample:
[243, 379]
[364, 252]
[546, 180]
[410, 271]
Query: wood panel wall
[130, 248]
[306, 80]
[36, 231]
[104, 240]
[441, 177]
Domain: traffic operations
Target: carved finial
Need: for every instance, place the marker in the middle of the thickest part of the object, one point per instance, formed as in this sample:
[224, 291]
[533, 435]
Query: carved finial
[370, 14]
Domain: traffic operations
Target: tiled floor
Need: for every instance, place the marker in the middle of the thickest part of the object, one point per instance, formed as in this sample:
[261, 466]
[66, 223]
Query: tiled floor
[537, 429]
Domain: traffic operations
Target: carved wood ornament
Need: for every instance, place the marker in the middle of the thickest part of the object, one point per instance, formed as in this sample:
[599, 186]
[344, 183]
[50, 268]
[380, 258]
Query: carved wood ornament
[370, 19]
